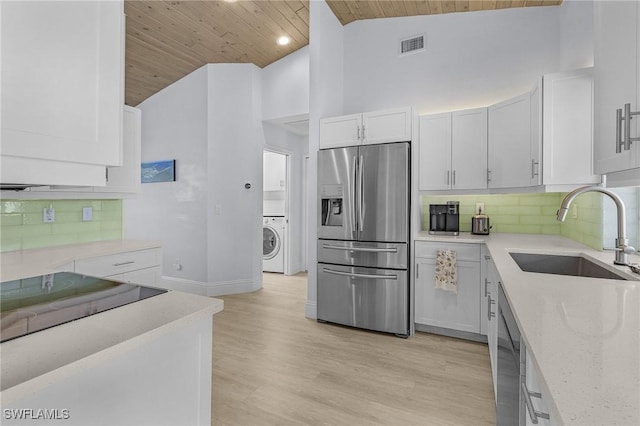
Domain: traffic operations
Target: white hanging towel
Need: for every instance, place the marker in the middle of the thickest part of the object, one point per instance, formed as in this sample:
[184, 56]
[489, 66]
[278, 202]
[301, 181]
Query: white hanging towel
[446, 273]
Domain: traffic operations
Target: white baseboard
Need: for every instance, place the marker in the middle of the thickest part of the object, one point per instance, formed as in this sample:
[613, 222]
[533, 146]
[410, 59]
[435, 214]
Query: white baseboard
[211, 289]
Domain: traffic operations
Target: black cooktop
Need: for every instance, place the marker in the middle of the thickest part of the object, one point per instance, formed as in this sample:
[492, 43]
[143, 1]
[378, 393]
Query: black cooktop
[37, 303]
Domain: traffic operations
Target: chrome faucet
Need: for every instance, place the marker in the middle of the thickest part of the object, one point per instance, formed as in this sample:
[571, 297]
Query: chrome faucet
[623, 249]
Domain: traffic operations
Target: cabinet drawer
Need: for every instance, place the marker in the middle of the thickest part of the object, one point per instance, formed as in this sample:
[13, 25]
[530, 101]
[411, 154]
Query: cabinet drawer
[118, 263]
[464, 252]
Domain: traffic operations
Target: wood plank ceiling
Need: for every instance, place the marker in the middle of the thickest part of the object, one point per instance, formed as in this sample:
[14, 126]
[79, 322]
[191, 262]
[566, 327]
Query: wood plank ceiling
[166, 40]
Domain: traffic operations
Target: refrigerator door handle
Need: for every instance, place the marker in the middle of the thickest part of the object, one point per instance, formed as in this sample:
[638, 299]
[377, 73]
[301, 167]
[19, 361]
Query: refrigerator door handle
[354, 215]
[365, 249]
[366, 276]
[361, 205]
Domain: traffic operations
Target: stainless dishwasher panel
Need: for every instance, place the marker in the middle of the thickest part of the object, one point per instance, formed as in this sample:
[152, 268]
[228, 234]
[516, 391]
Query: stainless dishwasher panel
[508, 404]
[372, 255]
[370, 298]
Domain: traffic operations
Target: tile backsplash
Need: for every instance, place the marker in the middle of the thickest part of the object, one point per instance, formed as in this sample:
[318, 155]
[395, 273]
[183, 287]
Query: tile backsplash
[528, 214]
[21, 225]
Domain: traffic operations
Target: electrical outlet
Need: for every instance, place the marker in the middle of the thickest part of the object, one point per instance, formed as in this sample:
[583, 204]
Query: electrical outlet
[87, 214]
[49, 215]
[479, 208]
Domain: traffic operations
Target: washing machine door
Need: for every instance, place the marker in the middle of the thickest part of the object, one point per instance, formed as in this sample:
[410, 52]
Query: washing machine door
[270, 243]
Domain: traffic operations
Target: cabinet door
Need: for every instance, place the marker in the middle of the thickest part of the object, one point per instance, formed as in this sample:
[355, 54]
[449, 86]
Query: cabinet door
[392, 125]
[541, 400]
[568, 128]
[340, 131]
[616, 71]
[510, 143]
[493, 282]
[62, 82]
[535, 110]
[456, 311]
[126, 178]
[469, 149]
[435, 152]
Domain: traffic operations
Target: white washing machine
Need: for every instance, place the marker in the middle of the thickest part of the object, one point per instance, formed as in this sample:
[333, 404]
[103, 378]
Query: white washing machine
[273, 243]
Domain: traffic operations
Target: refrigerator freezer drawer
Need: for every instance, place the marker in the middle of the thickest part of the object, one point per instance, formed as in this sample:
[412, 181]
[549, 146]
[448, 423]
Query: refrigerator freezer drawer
[372, 255]
[374, 299]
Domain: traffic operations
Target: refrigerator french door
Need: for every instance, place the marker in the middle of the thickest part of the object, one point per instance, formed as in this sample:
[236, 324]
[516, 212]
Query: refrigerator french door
[363, 234]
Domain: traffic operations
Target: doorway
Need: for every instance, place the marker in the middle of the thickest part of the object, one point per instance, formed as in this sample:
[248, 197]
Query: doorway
[276, 206]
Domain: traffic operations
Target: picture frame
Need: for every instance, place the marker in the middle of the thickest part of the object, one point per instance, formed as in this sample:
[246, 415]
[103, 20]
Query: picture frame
[158, 171]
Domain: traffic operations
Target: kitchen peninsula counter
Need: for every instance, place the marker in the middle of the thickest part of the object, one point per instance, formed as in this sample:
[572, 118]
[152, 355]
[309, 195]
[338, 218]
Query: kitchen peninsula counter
[583, 333]
[147, 362]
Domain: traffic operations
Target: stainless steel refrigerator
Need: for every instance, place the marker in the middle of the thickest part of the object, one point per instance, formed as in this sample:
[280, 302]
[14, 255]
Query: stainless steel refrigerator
[363, 235]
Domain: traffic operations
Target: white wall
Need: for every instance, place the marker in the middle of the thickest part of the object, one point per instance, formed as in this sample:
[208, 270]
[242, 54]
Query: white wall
[174, 126]
[471, 59]
[235, 158]
[326, 88]
[285, 85]
[209, 121]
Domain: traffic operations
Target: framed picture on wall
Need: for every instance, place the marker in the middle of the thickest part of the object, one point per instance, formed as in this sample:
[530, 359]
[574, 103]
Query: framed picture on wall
[159, 171]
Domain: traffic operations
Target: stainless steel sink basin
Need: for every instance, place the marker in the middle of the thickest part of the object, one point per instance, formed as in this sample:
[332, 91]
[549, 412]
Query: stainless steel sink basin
[577, 266]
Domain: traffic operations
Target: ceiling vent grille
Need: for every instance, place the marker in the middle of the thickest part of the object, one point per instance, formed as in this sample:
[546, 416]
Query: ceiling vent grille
[413, 44]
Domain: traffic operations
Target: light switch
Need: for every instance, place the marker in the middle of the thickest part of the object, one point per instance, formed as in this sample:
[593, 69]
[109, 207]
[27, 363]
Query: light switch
[87, 214]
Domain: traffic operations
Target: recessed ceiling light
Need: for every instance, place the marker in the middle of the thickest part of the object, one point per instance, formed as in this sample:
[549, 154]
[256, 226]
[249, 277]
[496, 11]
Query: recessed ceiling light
[283, 41]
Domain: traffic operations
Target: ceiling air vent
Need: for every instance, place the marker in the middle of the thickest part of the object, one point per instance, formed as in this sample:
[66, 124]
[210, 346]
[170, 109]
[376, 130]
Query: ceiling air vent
[413, 44]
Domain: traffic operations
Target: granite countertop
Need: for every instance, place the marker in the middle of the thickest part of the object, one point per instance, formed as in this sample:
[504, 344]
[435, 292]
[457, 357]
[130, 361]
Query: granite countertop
[32, 361]
[583, 333]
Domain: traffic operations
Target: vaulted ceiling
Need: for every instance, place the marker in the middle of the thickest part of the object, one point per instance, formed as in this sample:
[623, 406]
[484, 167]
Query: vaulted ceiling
[166, 40]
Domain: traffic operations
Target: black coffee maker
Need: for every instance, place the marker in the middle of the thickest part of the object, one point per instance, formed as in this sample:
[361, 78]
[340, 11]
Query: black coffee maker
[444, 219]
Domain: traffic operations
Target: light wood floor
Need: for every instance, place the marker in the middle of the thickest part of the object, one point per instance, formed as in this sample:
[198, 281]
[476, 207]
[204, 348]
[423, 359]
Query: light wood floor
[273, 366]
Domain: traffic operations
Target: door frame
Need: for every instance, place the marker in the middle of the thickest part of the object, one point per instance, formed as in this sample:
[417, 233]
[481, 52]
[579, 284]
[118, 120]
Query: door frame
[287, 203]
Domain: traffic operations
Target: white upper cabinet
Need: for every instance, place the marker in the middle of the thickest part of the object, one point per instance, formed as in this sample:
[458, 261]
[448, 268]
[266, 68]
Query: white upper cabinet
[567, 128]
[393, 125]
[453, 150]
[62, 91]
[469, 149]
[509, 162]
[126, 179]
[435, 152]
[617, 82]
[340, 131]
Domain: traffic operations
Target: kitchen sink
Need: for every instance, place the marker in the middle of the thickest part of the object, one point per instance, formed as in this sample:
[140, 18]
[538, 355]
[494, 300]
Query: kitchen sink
[577, 266]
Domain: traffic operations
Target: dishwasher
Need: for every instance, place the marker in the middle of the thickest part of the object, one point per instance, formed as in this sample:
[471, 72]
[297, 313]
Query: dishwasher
[511, 361]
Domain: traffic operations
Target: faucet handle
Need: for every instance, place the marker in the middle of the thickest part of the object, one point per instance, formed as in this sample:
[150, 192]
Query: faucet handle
[628, 250]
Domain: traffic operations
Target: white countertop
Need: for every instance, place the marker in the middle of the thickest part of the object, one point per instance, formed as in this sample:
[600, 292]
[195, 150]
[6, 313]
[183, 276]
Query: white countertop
[583, 333]
[19, 264]
[32, 361]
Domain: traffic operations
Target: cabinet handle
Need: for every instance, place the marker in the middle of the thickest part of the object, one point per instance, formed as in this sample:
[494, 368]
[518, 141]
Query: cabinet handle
[487, 257]
[486, 293]
[490, 302]
[358, 138]
[417, 271]
[454, 178]
[124, 263]
[533, 413]
[628, 115]
[619, 141]
[363, 132]
[534, 163]
[488, 175]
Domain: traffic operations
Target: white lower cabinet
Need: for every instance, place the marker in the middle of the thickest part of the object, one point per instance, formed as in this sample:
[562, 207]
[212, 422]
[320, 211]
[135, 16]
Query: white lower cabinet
[489, 310]
[136, 267]
[443, 309]
[538, 404]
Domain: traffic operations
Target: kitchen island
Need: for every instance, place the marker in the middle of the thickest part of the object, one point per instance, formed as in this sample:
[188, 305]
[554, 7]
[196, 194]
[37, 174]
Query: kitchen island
[582, 333]
[148, 362]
